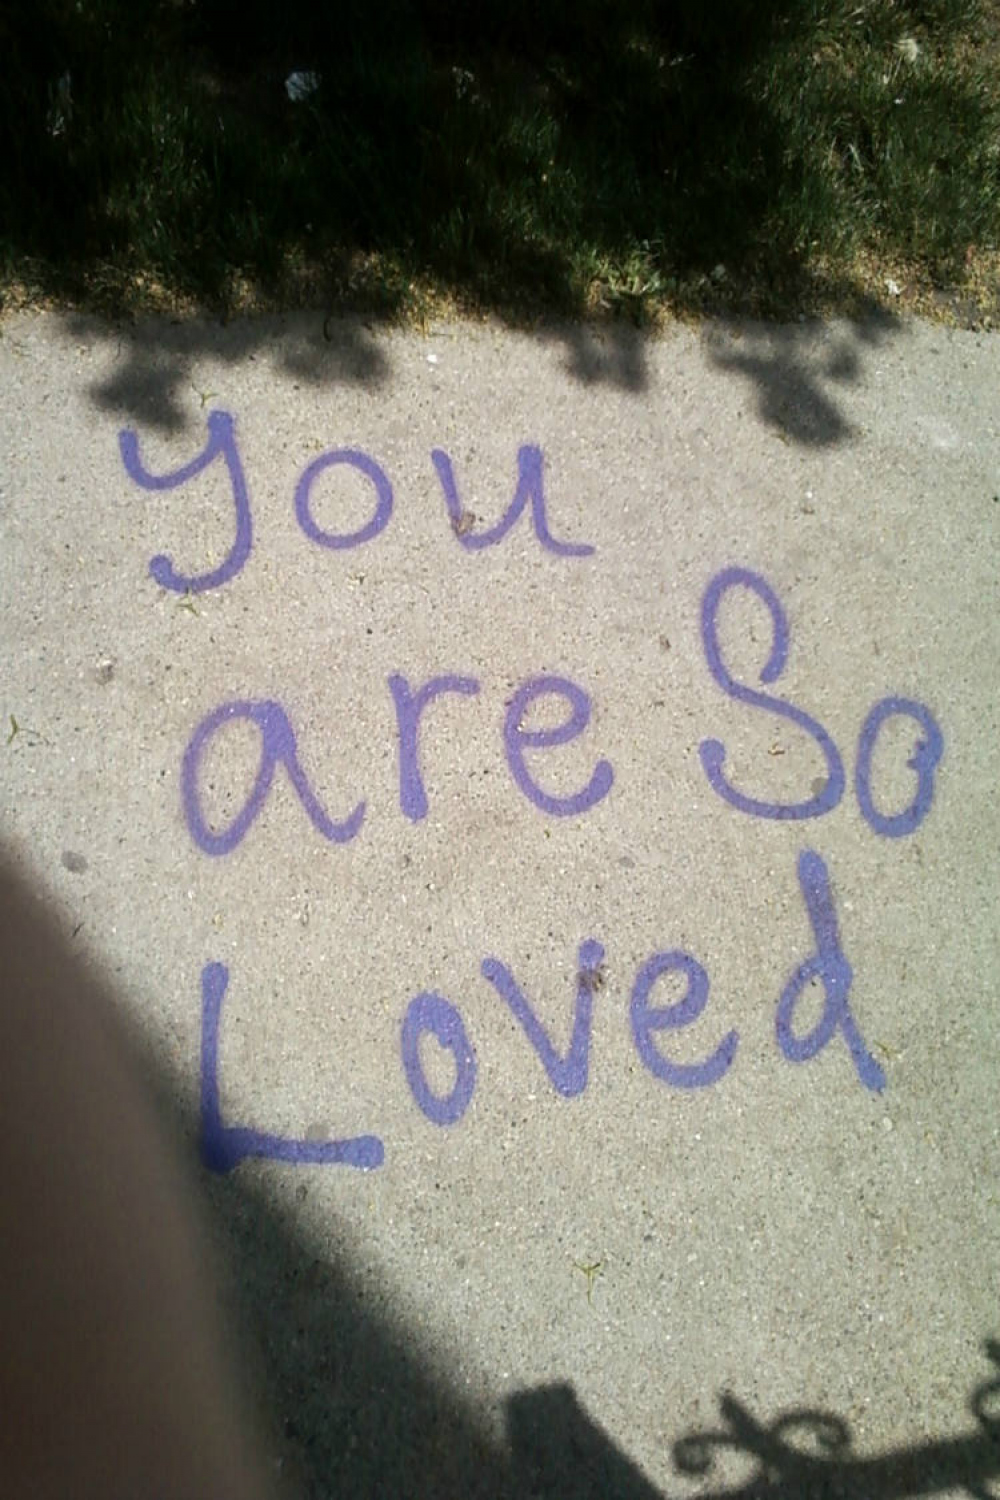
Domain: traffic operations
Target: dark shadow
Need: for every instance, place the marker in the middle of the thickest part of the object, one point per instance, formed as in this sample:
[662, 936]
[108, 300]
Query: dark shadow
[550, 1435]
[154, 376]
[354, 1411]
[609, 354]
[360, 1417]
[795, 370]
[808, 1453]
[582, 160]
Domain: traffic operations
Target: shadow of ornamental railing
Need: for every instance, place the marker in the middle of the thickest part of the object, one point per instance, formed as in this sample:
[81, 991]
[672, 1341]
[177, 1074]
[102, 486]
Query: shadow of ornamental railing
[802, 1455]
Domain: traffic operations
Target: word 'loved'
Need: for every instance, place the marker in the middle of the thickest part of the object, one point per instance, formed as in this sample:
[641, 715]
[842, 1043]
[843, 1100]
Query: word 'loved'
[432, 1016]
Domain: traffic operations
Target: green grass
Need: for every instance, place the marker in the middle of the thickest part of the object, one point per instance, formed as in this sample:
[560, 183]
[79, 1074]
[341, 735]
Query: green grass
[608, 157]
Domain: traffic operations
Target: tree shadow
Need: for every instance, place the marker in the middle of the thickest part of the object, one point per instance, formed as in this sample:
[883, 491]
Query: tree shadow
[354, 1408]
[583, 161]
[795, 369]
[156, 361]
[603, 354]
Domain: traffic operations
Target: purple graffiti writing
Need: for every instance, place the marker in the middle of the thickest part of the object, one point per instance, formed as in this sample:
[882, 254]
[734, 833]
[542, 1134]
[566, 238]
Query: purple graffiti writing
[433, 1014]
[277, 744]
[516, 739]
[924, 760]
[409, 708]
[568, 1075]
[529, 486]
[364, 465]
[223, 1147]
[648, 1019]
[430, 1017]
[834, 973]
[713, 752]
[221, 439]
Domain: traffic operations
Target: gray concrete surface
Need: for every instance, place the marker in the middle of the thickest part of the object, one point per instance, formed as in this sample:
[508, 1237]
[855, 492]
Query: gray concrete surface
[686, 1260]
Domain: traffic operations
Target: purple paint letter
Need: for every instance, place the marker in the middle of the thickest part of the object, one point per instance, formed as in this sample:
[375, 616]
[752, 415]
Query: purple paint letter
[221, 439]
[434, 1014]
[529, 486]
[517, 739]
[223, 1147]
[568, 1075]
[831, 968]
[713, 752]
[924, 760]
[648, 1019]
[409, 708]
[277, 744]
[383, 499]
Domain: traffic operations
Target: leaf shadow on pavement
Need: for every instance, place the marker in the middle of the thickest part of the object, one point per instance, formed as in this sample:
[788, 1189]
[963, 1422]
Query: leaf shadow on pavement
[156, 361]
[352, 1406]
[797, 372]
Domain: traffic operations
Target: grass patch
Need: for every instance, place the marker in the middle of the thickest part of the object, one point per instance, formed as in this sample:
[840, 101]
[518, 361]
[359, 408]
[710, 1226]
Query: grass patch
[578, 158]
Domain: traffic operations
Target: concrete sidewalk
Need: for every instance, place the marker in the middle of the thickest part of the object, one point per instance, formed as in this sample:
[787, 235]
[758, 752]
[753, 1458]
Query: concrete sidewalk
[537, 795]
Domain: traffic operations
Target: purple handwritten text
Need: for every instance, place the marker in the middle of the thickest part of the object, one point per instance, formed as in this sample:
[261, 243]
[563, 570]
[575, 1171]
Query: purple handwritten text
[223, 1147]
[648, 1019]
[277, 744]
[383, 499]
[834, 973]
[517, 739]
[568, 1075]
[713, 752]
[924, 760]
[436, 1015]
[409, 708]
[221, 439]
[529, 486]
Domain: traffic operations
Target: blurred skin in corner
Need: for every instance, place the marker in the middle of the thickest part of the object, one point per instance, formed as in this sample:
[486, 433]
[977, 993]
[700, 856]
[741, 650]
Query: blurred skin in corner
[113, 1376]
